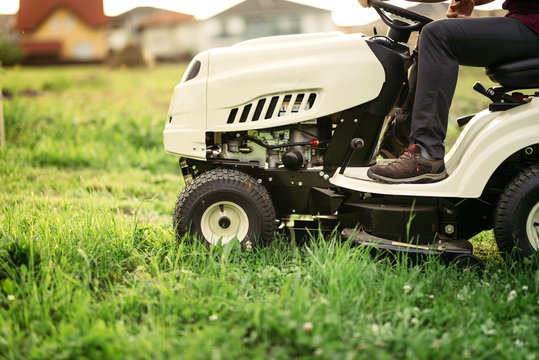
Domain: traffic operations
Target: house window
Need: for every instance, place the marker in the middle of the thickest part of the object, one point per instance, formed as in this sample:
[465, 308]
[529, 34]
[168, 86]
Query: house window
[84, 50]
[231, 27]
[277, 25]
[235, 26]
[55, 24]
[223, 30]
[70, 23]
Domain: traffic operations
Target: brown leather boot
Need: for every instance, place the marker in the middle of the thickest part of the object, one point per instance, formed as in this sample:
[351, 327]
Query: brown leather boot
[409, 168]
[392, 145]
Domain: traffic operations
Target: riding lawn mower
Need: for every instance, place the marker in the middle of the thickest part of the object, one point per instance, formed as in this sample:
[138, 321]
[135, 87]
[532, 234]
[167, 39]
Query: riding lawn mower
[279, 132]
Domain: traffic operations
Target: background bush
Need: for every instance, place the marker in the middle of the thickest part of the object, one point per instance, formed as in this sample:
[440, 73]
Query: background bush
[10, 52]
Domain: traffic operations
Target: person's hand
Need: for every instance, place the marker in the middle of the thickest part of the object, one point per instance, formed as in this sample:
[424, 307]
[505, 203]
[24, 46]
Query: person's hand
[364, 3]
[460, 9]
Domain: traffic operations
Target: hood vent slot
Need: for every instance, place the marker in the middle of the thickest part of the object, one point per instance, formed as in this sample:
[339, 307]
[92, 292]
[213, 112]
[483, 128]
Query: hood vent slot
[271, 108]
[289, 104]
[245, 113]
[310, 102]
[258, 109]
[232, 116]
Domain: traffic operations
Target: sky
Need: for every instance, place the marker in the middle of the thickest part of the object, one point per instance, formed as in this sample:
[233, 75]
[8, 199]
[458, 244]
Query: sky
[345, 12]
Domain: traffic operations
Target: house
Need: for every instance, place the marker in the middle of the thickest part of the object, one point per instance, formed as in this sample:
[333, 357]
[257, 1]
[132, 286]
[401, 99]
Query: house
[169, 35]
[7, 27]
[257, 18]
[124, 29]
[62, 30]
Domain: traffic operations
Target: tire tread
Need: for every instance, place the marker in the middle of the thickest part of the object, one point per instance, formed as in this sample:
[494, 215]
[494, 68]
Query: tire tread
[507, 205]
[224, 178]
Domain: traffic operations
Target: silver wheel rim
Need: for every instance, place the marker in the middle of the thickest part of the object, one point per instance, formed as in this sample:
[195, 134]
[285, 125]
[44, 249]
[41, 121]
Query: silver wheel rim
[532, 227]
[224, 221]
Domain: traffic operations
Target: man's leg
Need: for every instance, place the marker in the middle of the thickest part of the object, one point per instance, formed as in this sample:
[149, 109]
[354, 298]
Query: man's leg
[397, 137]
[403, 120]
[443, 46]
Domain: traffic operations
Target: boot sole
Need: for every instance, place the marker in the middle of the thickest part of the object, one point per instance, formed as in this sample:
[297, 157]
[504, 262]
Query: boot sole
[420, 179]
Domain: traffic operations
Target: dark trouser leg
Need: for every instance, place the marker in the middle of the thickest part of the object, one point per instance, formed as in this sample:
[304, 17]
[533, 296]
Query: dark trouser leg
[403, 120]
[445, 44]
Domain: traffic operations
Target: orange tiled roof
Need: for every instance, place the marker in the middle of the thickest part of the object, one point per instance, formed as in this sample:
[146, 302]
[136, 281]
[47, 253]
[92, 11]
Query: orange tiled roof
[33, 12]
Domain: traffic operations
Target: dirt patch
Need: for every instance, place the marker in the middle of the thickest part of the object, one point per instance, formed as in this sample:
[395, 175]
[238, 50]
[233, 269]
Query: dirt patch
[131, 56]
[9, 94]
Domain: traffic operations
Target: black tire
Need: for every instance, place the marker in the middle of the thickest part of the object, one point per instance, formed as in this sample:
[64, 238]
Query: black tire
[516, 214]
[223, 204]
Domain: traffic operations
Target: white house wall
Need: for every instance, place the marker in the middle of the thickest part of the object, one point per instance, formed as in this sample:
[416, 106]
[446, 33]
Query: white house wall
[209, 35]
[311, 23]
[170, 41]
[118, 39]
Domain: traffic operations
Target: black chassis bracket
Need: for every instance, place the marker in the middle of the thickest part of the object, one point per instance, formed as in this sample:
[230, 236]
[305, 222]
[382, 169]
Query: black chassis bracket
[292, 191]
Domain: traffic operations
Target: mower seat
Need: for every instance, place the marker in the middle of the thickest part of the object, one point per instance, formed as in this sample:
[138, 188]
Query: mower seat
[518, 74]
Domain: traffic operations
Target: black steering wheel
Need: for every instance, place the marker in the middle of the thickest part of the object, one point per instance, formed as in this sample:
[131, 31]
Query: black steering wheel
[416, 21]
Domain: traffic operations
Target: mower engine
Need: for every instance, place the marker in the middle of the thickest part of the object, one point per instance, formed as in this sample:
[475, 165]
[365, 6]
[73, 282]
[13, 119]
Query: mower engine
[297, 147]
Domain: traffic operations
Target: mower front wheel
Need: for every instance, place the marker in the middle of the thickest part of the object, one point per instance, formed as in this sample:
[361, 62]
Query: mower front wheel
[224, 204]
[516, 225]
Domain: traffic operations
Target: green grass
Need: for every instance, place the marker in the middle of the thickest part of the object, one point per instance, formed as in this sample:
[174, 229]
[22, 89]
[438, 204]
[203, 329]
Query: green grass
[89, 267]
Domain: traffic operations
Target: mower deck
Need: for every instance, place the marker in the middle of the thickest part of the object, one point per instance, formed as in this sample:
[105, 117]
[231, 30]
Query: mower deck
[459, 252]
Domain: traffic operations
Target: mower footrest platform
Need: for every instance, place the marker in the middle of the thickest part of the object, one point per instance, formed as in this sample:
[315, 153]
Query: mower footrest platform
[356, 178]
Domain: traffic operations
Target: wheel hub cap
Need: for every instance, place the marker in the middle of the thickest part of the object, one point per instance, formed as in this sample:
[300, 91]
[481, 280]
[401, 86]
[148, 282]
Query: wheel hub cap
[532, 227]
[224, 221]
